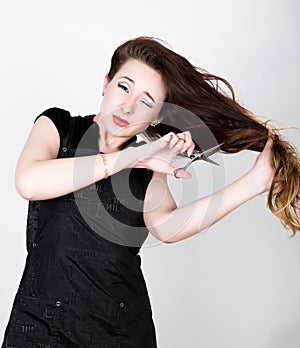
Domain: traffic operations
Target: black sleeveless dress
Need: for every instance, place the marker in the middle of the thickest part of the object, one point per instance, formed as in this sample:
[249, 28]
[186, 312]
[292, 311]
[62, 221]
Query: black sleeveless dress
[82, 285]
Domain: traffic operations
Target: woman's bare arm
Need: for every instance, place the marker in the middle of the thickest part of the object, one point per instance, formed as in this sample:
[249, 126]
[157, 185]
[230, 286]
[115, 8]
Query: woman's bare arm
[170, 223]
[40, 175]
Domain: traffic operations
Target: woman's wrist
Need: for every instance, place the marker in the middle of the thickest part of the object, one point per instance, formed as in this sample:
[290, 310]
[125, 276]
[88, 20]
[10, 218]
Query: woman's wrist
[256, 181]
[133, 155]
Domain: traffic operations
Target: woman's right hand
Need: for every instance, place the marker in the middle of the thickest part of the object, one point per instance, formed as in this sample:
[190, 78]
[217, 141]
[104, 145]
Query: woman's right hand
[263, 170]
[158, 155]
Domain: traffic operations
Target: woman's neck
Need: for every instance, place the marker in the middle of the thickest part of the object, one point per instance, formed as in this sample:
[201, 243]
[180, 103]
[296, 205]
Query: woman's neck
[107, 142]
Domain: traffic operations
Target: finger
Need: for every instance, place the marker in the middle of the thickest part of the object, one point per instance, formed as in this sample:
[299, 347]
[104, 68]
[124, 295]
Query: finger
[188, 134]
[180, 147]
[173, 142]
[271, 133]
[185, 135]
[186, 141]
[189, 146]
[182, 174]
[191, 150]
[168, 137]
[180, 142]
[269, 142]
[177, 142]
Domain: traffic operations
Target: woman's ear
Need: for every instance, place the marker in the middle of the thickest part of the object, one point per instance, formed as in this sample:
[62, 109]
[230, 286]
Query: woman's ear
[106, 82]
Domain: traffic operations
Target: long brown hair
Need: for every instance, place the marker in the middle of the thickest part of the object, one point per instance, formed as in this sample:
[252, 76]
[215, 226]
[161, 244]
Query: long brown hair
[198, 91]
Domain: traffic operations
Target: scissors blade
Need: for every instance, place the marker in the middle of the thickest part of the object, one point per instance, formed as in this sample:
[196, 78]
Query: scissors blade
[197, 155]
[210, 161]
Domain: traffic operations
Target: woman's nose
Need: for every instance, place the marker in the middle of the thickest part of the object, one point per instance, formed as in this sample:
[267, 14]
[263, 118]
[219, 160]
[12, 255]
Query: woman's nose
[128, 108]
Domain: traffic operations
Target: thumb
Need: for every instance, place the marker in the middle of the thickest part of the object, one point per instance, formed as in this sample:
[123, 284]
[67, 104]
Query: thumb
[182, 174]
[269, 142]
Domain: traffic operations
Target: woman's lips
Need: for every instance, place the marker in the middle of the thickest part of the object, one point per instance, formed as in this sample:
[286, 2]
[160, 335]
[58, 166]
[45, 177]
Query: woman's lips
[120, 121]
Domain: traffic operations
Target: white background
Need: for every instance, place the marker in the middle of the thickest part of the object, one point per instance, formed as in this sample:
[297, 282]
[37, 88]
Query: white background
[237, 283]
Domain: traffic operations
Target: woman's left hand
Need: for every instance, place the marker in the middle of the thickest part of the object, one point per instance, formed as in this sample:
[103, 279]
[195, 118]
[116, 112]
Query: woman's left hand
[263, 171]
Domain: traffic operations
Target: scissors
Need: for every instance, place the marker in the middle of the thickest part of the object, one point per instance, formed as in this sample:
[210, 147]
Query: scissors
[195, 156]
[200, 155]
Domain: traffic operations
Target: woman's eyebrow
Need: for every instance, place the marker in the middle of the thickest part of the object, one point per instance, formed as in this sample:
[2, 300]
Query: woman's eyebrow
[147, 93]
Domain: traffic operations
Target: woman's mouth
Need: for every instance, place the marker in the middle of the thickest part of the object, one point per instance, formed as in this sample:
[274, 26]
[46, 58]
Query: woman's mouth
[120, 121]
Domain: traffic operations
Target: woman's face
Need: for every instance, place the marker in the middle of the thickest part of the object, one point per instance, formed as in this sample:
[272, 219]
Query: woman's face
[132, 99]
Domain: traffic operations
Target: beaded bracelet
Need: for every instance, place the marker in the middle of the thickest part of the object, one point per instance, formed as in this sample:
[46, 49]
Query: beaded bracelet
[105, 165]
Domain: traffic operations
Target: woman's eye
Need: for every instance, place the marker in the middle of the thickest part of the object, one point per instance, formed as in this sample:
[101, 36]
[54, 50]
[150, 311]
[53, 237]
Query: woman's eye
[146, 103]
[125, 88]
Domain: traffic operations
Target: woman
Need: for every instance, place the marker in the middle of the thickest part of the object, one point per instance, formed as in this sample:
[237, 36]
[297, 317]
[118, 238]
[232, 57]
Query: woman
[94, 193]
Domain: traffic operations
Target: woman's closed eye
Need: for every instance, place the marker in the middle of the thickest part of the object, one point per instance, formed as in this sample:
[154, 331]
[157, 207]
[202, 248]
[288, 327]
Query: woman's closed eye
[147, 103]
[126, 89]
